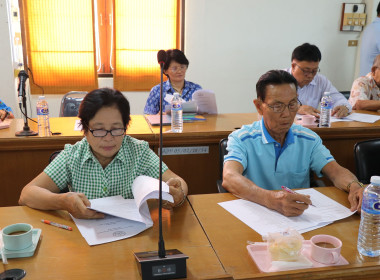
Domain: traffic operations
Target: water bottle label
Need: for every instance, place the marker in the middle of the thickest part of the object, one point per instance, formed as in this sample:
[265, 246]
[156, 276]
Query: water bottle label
[371, 205]
[376, 206]
[176, 106]
[42, 111]
[326, 104]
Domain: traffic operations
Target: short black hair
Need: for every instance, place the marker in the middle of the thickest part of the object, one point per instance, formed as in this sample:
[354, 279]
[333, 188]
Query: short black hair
[273, 77]
[99, 98]
[378, 9]
[176, 55]
[307, 52]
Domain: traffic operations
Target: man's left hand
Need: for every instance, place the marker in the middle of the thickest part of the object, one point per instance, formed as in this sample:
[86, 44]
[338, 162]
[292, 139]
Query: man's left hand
[340, 111]
[355, 196]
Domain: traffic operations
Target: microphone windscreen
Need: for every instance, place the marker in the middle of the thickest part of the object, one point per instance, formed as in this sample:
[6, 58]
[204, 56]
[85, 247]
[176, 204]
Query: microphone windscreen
[22, 73]
[161, 56]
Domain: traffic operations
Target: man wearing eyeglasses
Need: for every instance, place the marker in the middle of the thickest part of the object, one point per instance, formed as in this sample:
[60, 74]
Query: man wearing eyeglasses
[275, 152]
[312, 85]
[104, 163]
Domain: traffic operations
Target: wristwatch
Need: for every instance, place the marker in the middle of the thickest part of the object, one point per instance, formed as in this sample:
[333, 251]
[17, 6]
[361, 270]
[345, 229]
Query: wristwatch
[354, 181]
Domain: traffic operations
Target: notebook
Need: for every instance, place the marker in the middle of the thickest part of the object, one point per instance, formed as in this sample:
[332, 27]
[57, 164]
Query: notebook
[154, 120]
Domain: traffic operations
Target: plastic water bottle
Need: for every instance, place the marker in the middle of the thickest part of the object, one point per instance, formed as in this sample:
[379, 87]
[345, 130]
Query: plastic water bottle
[326, 107]
[369, 231]
[43, 117]
[176, 112]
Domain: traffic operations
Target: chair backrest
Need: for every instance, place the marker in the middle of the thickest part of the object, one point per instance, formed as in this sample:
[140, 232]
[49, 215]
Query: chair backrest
[367, 156]
[222, 153]
[70, 103]
[53, 155]
[346, 93]
[51, 158]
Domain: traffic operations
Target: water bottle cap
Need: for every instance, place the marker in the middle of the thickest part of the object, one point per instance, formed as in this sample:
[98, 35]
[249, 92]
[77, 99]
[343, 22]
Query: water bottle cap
[326, 93]
[375, 179]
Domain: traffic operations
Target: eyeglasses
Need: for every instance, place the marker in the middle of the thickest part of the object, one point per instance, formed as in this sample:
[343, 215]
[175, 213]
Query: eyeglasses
[104, 132]
[280, 107]
[309, 72]
[177, 68]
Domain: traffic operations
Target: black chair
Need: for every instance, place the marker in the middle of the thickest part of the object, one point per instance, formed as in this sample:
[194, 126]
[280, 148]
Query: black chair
[51, 158]
[367, 155]
[346, 93]
[70, 103]
[222, 153]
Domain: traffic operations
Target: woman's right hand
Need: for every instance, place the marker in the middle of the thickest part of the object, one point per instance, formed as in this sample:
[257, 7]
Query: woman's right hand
[76, 205]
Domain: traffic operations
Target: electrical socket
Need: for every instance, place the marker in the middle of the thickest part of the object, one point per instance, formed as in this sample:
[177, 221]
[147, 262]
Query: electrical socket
[352, 43]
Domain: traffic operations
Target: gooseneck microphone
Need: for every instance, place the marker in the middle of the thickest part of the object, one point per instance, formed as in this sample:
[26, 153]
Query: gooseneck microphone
[23, 76]
[161, 58]
[161, 264]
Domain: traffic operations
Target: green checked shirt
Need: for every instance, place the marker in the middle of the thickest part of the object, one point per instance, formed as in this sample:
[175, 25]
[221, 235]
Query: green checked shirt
[78, 167]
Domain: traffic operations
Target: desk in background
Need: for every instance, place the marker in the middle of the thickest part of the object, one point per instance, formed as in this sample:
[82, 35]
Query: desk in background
[23, 158]
[228, 236]
[26, 157]
[202, 170]
[63, 254]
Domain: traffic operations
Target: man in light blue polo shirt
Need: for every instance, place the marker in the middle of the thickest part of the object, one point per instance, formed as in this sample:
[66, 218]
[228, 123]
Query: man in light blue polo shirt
[274, 152]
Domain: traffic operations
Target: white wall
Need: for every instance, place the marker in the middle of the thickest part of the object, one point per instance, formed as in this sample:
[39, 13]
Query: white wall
[7, 87]
[230, 44]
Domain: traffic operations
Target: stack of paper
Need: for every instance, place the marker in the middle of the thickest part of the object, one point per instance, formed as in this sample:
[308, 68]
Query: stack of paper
[264, 220]
[367, 118]
[124, 217]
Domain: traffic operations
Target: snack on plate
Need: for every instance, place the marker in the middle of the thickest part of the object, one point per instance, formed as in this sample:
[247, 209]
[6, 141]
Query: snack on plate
[284, 246]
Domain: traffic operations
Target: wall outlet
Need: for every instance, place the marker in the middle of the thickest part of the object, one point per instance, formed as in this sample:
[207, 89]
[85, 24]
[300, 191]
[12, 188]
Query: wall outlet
[352, 43]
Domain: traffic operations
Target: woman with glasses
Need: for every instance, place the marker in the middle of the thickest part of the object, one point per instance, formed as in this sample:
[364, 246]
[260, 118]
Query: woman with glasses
[104, 163]
[175, 68]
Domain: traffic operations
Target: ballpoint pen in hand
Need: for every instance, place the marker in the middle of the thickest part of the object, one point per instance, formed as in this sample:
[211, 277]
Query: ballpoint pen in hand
[291, 191]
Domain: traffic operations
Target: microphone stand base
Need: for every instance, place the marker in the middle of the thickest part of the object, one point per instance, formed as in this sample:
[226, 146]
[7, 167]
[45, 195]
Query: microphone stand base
[26, 133]
[14, 274]
[151, 266]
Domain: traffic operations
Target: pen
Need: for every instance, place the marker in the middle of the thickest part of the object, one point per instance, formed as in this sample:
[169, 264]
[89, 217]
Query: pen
[56, 225]
[291, 191]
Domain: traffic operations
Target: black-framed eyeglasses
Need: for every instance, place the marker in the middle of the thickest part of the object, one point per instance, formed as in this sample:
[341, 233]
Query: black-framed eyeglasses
[280, 107]
[308, 72]
[178, 68]
[104, 132]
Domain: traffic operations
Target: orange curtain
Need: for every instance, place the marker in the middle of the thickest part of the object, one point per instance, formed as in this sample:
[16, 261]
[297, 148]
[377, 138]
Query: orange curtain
[141, 29]
[60, 45]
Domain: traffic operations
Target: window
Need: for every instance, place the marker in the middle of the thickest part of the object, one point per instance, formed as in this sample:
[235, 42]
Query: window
[60, 45]
[142, 28]
[67, 46]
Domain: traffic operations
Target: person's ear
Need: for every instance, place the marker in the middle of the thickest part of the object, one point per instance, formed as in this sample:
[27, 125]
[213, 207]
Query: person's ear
[258, 104]
[373, 69]
[293, 66]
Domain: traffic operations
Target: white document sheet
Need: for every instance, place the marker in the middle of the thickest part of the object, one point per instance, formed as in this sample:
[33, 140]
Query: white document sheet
[124, 217]
[77, 126]
[206, 101]
[359, 117]
[5, 124]
[264, 220]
